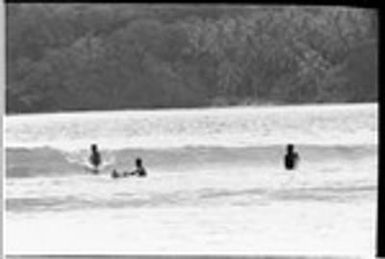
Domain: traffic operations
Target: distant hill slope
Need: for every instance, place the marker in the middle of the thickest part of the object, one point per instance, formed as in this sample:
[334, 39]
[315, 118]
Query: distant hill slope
[85, 57]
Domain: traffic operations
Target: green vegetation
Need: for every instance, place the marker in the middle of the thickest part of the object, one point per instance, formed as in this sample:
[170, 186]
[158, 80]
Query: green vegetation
[116, 56]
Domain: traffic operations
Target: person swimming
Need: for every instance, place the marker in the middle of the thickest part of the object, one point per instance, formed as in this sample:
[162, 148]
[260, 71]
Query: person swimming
[291, 158]
[95, 158]
[139, 171]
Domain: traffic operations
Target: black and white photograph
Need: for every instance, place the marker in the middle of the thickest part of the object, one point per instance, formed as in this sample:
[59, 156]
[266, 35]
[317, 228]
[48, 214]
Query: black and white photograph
[182, 129]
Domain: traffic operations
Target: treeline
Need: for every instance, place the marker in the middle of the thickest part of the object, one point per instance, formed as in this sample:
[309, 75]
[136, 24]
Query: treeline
[115, 56]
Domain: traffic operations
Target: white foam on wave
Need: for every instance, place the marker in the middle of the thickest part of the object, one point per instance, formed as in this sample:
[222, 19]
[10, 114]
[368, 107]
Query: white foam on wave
[278, 229]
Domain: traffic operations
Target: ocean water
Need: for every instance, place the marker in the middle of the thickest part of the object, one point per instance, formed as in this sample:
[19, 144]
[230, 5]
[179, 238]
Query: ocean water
[216, 181]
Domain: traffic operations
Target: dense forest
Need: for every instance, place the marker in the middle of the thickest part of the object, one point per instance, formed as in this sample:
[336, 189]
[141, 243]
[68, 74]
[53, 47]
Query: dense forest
[125, 56]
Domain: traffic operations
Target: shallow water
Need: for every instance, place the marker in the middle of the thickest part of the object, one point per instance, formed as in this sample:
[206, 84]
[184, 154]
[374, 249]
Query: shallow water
[216, 182]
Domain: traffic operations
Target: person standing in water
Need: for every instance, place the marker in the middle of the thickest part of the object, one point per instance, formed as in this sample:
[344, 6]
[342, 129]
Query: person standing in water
[291, 158]
[95, 158]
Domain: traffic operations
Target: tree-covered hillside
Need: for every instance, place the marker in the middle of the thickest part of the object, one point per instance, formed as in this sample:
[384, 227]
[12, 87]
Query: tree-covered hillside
[116, 56]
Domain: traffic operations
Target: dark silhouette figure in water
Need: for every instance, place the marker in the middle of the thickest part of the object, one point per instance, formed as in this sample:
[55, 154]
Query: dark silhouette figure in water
[95, 158]
[115, 174]
[291, 158]
[139, 171]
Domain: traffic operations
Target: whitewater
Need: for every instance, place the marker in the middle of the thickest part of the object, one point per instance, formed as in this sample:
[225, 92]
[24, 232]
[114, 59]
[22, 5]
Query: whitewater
[216, 181]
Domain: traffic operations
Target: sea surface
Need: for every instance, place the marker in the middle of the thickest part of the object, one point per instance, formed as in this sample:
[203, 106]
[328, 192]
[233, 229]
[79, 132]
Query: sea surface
[216, 182]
